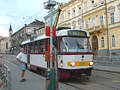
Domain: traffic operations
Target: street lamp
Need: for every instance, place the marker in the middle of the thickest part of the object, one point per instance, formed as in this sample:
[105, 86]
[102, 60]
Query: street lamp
[51, 71]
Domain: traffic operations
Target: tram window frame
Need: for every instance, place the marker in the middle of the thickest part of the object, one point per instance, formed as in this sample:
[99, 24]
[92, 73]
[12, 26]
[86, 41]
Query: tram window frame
[28, 48]
[36, 43]
[25, 48]
[32, 48]
[42, 46]
[47, 42]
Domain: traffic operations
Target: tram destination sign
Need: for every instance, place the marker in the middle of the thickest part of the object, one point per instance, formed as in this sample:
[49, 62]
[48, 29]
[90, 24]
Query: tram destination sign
[77, 33]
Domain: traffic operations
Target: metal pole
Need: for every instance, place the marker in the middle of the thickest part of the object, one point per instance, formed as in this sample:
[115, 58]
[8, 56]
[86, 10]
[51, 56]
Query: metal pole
[51, 38]
[51, 72]
[108, 33]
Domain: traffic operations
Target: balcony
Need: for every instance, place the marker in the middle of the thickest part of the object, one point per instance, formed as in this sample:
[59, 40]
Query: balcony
[98, 29]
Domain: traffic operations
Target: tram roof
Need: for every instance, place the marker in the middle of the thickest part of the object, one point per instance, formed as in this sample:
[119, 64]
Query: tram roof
[58, 33]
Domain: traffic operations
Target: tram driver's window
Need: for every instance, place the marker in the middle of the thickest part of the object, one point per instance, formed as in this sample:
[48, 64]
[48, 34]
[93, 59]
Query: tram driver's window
[62, 46]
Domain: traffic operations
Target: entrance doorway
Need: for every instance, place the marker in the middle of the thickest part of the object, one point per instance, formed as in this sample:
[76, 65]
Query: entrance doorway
[95, 45]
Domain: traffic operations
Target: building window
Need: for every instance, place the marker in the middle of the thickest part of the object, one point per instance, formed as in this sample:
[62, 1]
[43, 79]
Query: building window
[101, 20]
[113, 40]
[86, 6]
[73, 12]
[6, 45]
[100, 1]
[62, 18]
[112, 17]
[93, 21]
[102, 42]
[86, 23]
[92, 4]
[68, 14]
[74, 24]
[80, 10]
[110, 0]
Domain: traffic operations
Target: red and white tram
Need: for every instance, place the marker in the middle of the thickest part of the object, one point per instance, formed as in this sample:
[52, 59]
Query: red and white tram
[74, 55]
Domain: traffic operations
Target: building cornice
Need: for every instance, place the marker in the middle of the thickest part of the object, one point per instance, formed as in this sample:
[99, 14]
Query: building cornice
[67, 4]
[92, 11]
[116, 24]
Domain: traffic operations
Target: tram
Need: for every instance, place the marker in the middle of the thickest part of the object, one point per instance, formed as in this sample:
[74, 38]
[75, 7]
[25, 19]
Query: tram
[74, 55]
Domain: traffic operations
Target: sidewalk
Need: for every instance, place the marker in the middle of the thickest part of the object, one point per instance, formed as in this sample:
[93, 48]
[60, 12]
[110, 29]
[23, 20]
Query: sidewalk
[107, 68]
[34, 82]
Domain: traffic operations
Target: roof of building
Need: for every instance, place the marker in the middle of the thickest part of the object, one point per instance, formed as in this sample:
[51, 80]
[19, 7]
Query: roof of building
[33, 24]
[36, 23]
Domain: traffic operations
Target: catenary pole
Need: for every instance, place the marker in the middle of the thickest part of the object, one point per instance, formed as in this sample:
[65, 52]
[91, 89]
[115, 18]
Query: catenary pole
[51, 71]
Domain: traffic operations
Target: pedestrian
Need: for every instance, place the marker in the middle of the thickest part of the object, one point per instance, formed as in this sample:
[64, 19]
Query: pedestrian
[23, 64]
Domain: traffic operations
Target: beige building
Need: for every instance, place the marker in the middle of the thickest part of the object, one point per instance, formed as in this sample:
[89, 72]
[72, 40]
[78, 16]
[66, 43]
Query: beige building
[5, 42]
[91, 15]
[40, 30]
[4, 45]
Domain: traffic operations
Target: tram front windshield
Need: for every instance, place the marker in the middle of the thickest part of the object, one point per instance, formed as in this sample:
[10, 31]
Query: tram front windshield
[74, 44]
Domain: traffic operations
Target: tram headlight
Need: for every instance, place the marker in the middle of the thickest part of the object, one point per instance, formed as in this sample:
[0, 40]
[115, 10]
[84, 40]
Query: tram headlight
[91, 63]
[72, 63]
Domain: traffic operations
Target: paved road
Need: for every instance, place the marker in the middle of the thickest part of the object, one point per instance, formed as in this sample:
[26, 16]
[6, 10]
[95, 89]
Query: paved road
[34, 81]
[100, 80]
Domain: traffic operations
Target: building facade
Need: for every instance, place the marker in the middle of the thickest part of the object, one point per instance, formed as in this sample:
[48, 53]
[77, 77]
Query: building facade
[40, 30]
[5, 42]
[4, 45]
[100, 17]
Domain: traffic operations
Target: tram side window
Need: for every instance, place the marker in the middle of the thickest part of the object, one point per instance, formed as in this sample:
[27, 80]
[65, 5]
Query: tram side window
[25, 48]
[28, 48]
[36, 47]
[62, 46]
[32, 47]
[42, 46]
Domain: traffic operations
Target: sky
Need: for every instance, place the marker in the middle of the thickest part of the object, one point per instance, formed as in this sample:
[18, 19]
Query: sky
[20, 12]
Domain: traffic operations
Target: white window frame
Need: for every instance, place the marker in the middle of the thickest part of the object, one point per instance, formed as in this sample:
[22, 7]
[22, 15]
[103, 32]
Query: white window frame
[86, 6]
[86, 24]
[80, 10]
[93, 4]
[113, 41]
[102, 42]
[93, 21]
[74, 12]
[68, 13]
[112, 17]
[101, 19]
[62, 18]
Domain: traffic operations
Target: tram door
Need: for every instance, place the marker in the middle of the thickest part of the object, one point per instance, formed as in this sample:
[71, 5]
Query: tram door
[95, 45]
